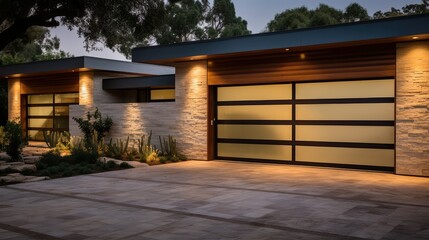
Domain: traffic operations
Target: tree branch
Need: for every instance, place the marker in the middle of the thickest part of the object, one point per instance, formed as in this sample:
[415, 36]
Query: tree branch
[19, 27]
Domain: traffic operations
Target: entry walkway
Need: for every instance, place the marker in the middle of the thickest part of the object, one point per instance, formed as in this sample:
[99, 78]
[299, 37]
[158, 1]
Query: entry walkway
[219, 200]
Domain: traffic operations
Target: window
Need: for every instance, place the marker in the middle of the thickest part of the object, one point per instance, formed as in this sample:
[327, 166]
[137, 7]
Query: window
[156, 95]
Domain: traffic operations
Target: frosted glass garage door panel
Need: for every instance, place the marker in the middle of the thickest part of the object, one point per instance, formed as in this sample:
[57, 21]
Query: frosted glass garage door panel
[255, 112]
[350, 89]
[255, 151]
[355, 156]
[360, 134]
[40, 123]
[263, 132]
[259, 92]
[364, 111]
[40, 111]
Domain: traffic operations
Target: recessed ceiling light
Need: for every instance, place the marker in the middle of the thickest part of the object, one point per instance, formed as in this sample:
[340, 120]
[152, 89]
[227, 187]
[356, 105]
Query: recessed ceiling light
[415, 37]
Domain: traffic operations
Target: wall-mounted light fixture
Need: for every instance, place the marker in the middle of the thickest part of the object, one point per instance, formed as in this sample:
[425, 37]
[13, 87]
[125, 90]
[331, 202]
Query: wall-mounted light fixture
[415, 37]
[302, 56]
[287, 49]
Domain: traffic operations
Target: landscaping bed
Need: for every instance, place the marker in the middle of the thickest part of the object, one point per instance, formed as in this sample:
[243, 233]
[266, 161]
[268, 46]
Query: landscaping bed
[72, 155]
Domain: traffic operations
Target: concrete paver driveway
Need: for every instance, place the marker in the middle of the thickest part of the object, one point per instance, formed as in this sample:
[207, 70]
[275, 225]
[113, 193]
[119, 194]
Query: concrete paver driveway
[219, 200]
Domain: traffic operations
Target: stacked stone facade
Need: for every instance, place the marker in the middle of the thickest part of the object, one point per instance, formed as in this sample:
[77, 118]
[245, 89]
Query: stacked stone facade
[185, 119]
[14, 99]
[412, 108]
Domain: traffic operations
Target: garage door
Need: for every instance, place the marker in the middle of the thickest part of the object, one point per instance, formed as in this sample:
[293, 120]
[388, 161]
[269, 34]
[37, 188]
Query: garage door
[339, 123]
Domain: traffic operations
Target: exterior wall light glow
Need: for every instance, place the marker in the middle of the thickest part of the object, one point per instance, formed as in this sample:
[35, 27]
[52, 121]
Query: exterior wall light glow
[415, 37]
[302, 56]
[287, 49]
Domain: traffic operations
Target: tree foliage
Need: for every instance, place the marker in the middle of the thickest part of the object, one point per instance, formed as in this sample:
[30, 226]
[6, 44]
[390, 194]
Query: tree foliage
[36, 45]
[410, 9]
[119, 25]
[189, 20]
[303, 17]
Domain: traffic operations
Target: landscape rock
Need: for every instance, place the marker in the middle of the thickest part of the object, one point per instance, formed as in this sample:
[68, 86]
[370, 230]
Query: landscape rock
[136, 164]
[4, 156]
[18, 178]
[18, 167]
[31, 159]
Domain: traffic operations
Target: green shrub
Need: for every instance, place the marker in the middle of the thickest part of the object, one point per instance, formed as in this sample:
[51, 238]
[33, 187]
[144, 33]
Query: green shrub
[51, 138]
[147, 152]
[169, 150]
[94, 128]
[118, 149]
[13, 140]
[81, 155]
[111, 164]
[49, 159]
[125, 165]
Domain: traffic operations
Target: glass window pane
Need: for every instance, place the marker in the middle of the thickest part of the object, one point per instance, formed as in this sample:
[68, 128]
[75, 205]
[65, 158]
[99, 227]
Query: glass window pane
[364, 111]
[265, 132]
[255, 112]
[260, 92]
[349, 89]
[40, 111]
[361, 134]
[357, 156]
[40, 99]
[162, 94]
[61, 110]
[61, 123]
[256, 151]
[67, 98]
[40, 123]
[35, 135]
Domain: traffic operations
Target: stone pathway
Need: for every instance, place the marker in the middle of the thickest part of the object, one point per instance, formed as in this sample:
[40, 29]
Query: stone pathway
[219, 200]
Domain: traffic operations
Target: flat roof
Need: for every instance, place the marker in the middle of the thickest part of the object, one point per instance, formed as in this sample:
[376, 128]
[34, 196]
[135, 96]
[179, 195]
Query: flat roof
[393, 29]
[85, 63]
[138, 82]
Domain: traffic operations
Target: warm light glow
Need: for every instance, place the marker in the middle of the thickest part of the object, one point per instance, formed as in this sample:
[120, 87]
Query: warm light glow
[302, 56]
[287, 49]
[85, 88]
[415, 37]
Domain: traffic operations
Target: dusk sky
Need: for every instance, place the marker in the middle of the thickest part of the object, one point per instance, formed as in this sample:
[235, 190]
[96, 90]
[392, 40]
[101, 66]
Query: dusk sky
[257, 13]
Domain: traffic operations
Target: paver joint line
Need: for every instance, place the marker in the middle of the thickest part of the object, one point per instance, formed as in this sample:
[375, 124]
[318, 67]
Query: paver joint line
[28, 233]
[267, 191]
[233, 221]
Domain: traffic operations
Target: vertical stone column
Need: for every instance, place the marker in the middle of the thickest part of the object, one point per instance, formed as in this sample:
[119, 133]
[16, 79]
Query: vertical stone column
[412, 108]
[86, 88]
[191, 98]
[14, 99]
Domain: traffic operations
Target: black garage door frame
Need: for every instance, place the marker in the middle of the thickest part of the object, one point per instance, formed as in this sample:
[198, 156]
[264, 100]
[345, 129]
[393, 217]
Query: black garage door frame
[294, 123]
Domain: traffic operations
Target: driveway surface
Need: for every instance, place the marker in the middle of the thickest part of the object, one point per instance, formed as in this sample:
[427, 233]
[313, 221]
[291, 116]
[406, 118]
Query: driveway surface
[219, 200]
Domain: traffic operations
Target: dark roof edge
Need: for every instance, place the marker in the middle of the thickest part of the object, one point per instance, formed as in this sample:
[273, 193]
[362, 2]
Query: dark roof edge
[138, 82]
[143, 54]
[93, 63]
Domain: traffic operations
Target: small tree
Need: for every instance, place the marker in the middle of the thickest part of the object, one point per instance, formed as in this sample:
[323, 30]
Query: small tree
[13, 140]
[94, 128]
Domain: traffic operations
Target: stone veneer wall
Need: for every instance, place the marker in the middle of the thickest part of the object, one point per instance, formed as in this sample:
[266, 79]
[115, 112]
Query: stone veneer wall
[185, 119]
[412, 108]
[14, 99]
